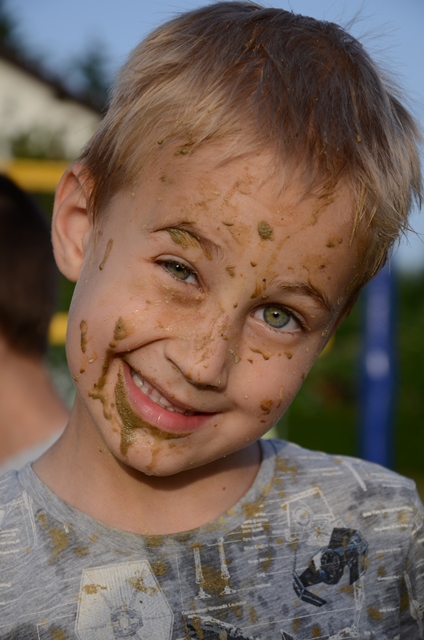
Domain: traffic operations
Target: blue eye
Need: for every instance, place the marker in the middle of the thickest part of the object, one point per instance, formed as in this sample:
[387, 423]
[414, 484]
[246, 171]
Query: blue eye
[179, 270]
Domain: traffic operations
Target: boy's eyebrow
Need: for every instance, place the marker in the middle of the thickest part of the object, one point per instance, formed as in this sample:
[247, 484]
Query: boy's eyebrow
[309, 290]
[185, 234]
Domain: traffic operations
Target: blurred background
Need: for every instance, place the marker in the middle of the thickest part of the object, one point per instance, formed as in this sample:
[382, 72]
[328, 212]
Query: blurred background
[365, 395]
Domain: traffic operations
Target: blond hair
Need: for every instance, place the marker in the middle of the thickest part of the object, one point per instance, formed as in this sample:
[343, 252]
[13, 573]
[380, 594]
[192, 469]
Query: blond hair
[265, 78]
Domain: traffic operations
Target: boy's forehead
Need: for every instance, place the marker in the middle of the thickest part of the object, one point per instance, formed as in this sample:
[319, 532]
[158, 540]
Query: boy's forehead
[212, 173]
[208, 165]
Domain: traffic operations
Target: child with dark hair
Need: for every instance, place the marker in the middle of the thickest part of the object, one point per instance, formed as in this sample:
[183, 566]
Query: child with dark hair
[250, 176]
[32, 414]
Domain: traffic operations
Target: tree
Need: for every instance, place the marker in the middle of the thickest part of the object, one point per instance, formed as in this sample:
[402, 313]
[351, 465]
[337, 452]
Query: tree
[89, 74]
[9, 30]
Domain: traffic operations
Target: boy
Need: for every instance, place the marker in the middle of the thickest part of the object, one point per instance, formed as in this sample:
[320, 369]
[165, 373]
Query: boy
[32, 415]
[250, 176]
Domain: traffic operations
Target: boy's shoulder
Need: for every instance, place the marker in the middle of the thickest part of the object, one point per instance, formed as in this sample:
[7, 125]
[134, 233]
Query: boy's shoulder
[11, 490]
[16, 503]
[352, 483]
[304, 461]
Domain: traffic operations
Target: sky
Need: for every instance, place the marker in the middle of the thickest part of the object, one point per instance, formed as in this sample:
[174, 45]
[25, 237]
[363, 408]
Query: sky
[391, 30]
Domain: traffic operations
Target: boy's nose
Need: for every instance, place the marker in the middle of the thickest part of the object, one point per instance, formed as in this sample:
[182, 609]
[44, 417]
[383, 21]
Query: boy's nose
[203, 355]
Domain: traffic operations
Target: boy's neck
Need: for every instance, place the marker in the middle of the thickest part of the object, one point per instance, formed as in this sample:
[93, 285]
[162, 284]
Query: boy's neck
[126, 499]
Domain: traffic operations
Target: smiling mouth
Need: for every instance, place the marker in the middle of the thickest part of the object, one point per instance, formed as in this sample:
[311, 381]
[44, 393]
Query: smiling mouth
[153, 394]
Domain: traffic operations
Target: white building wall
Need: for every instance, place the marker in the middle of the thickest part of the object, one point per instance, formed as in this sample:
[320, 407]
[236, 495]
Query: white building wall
[26, 103]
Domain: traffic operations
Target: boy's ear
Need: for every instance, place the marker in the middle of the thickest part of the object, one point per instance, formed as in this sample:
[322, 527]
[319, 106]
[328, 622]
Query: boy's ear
[72, 224]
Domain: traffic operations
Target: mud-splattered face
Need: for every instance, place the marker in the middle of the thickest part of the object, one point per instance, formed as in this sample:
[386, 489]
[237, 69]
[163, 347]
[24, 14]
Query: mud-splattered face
[201, 306]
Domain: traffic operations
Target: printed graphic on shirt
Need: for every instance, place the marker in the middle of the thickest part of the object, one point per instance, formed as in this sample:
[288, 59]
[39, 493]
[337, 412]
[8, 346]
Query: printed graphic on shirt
[123, 601]
[211, 629]
[346, 548]
[17, 540]
[278, 538]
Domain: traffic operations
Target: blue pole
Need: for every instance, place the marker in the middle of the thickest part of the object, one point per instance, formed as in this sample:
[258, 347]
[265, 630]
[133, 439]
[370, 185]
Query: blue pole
[378, 375]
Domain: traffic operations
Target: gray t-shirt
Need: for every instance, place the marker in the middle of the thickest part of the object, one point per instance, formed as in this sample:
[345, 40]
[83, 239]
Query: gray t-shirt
[320, 547]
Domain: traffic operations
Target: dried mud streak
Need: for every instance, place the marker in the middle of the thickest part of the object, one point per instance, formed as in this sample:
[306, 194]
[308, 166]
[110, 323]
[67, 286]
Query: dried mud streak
[59, 537]
[237, 358]
[213, 581]
[266, 406]
[182, 237]
[131, 421]
[138, 585]
[57, 634]
[333, 242]
[296, 624]
[99, 396]
[119, 333]
[265, 230]
[184, 151]
[186, 239]
[99, 385]
[92, 589]
[255, 350]
[106, 256]
[259, 289]
[375, 614]
[159, 567]
[284, 467]
[83, 329]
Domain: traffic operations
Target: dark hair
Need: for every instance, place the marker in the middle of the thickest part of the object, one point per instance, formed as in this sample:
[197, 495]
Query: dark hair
[28, 273]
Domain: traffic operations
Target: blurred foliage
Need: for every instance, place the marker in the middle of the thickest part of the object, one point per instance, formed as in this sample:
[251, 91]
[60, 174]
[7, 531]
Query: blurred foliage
[323, 414]
[410, 404]
[39, 144]
[9, 29]
[11, 37]
[89, 74]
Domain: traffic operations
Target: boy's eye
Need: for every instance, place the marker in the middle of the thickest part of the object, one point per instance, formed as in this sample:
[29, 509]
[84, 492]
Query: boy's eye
[180, 270]
[277, 317]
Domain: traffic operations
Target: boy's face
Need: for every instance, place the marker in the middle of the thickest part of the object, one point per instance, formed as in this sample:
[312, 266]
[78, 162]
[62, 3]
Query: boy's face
[200, 307]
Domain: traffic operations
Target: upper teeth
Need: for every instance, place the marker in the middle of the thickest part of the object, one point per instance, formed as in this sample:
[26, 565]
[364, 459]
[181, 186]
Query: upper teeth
[156, 396]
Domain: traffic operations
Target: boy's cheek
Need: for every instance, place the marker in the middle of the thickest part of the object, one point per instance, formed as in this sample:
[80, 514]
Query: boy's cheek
[267, 388]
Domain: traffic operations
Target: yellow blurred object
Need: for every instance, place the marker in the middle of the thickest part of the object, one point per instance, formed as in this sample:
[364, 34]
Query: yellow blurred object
[328, 346]
[57, 329]
[34, 175]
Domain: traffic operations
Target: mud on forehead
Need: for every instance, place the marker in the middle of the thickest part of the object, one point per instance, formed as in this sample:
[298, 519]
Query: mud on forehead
[176, 158]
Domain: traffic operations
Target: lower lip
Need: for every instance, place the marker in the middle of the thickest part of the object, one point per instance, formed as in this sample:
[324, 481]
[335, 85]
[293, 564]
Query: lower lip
[150, 414]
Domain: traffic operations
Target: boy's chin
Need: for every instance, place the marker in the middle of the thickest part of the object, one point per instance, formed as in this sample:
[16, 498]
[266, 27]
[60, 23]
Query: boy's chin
[170, 463]
[157, 464]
